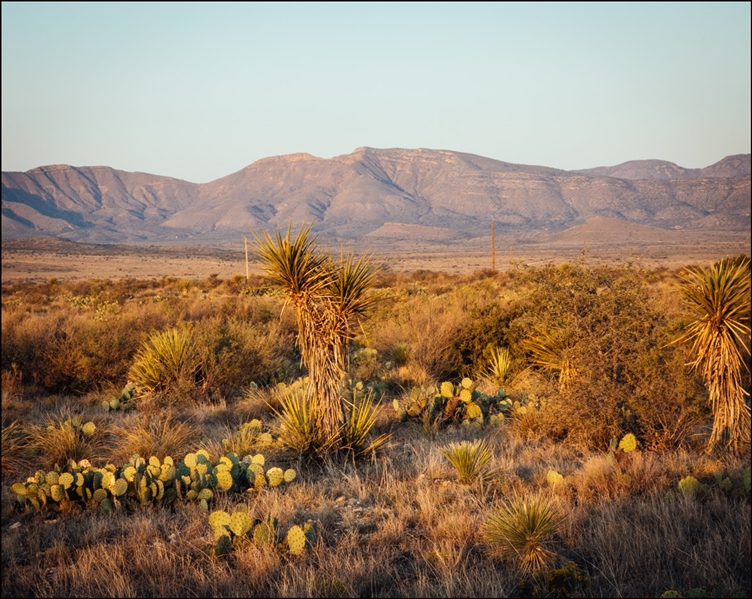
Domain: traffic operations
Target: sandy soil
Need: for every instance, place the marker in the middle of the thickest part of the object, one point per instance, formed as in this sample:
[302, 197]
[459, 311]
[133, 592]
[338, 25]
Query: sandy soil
[44, 261]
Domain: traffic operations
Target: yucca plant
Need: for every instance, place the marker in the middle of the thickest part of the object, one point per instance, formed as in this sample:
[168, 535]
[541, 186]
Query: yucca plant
[169, 360]
[549, 351]
[360, 420]
[719, 300]
[328, 299]
[298, 429]
[499, 365]
[469, 459]
[523, 529]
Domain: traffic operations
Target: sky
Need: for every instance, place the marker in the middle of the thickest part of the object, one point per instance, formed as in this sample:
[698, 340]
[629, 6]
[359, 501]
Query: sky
[198, 91]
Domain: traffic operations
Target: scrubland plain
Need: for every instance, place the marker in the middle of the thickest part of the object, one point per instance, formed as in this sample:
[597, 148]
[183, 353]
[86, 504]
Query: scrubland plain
[611, 435]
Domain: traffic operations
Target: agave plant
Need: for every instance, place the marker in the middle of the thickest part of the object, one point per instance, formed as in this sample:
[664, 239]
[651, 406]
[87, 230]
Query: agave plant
[719, 299]
[523, 529]
[469, 459]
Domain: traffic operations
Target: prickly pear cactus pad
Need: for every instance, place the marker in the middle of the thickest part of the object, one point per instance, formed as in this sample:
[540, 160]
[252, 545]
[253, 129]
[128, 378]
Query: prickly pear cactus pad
[275, 476]
[296, 540]
[628, 443]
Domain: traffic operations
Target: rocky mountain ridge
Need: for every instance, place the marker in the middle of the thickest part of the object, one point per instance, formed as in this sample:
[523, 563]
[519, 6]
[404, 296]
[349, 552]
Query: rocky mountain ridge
[383, 193]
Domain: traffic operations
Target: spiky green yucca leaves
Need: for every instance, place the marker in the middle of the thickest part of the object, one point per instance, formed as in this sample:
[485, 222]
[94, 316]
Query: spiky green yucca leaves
[719, 299]
[360, 419]
[328, 299]
[499, 365]
[523, 528]
[298, 429]
[469, 459]
[167, 361]
[549, 351]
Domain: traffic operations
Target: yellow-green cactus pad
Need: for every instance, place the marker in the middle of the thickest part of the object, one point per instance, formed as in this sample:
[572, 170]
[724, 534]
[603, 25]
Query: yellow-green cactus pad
[224, 481]
[472, 410]
[57, 492]
[120, 487]
[289, 475]
[447, 389]
[205, 494]
[628, 443]
[19, 489]
[100, 495]
[190, 460]
[296, 540]
[554, 478]
[240, 523]
[259, 481]
[466, 395]
[168, 473]
[275, 476]
[258, 459]
[51, 478]
[219, 519]
[66, 479]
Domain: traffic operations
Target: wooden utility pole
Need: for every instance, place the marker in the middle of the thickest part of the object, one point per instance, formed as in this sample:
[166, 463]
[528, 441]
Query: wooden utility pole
[245, 239]
[493, 247]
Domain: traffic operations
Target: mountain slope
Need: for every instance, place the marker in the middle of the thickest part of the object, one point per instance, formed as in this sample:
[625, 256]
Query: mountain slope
[368, 191]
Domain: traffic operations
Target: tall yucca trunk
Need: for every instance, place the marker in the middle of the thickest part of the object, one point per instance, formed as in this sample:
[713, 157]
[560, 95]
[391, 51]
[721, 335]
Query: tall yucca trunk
[327, 298]
[719, 299]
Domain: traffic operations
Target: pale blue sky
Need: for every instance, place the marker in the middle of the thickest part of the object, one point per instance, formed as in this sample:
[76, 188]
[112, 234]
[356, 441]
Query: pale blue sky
[199, 91]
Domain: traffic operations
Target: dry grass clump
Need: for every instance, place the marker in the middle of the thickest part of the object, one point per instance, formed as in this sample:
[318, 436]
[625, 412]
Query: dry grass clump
[16, 458]
[67, 436]
[162, 435]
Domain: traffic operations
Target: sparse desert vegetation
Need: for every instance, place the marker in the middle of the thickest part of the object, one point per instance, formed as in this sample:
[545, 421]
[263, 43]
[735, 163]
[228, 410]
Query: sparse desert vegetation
[535, 432]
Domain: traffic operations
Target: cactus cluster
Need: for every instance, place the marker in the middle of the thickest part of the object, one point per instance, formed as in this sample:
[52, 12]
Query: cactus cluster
[148, 482]
[459, 403]
[232, 530]
[248, 435]
[122, 401]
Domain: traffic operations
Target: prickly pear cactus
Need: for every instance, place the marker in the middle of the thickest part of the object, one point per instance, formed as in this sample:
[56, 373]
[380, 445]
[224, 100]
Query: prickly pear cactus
[289, 475]
[296, 540]
[224, 480]
[628, 443]
[240, 523]
[447, 389]
[275, 476]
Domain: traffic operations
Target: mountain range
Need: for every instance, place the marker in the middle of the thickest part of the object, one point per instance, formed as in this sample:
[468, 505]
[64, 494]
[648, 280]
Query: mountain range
[379, 193]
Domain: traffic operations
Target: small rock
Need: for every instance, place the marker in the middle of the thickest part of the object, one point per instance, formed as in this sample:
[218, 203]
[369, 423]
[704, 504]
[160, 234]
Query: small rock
[340, 499]
[14, 526]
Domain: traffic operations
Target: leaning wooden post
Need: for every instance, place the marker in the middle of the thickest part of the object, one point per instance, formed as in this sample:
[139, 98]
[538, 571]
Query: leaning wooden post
[245, 239]
[493, 247]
